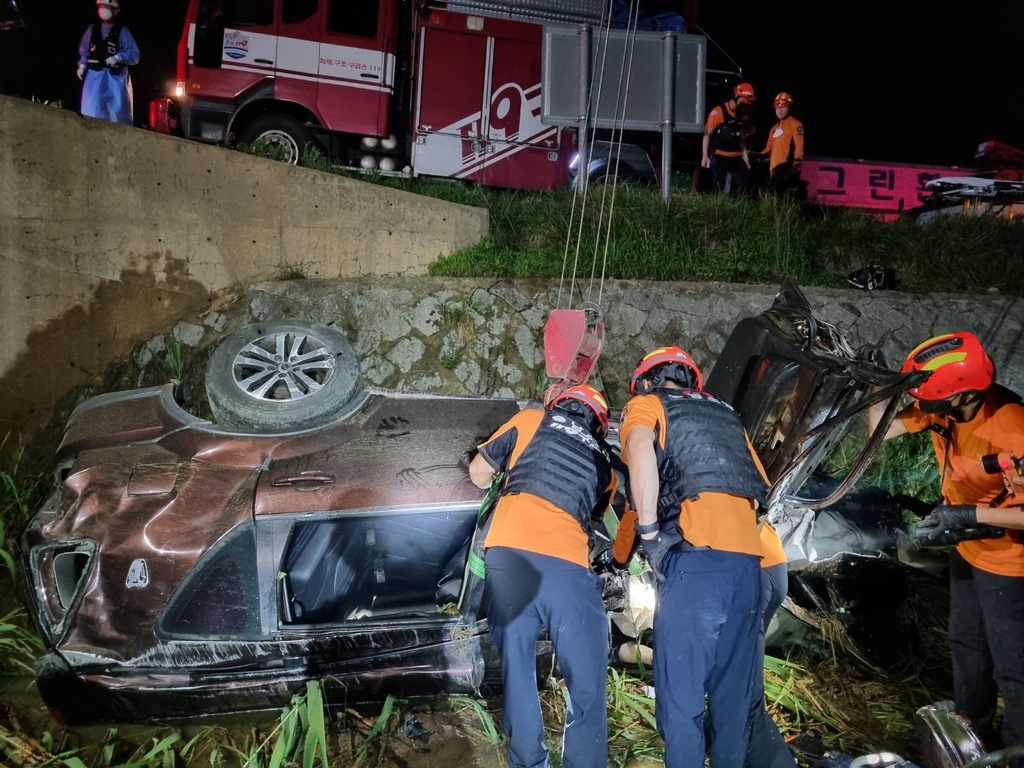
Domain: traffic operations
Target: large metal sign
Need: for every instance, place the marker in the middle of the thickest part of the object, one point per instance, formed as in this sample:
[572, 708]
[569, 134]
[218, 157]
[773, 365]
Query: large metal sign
[616, 79]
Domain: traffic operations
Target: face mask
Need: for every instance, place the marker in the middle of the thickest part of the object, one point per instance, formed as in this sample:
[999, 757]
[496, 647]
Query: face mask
[106, 14]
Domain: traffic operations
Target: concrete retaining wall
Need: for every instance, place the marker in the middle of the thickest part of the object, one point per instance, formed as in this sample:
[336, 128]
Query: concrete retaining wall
[485, 336]
[108, 233]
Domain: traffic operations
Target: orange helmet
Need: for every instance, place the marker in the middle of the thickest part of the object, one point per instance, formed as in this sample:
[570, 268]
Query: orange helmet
[665, 364]
[958, 363]
[744, 92]
[591, 398]
[783, 100]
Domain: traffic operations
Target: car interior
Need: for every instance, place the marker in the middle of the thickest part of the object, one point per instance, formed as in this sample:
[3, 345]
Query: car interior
[367, 566]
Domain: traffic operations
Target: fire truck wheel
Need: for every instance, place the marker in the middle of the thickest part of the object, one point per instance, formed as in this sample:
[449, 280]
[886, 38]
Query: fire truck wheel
[282, 376]
[283, 131]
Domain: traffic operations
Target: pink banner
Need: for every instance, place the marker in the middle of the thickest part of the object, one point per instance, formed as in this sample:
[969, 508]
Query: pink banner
[882, 187]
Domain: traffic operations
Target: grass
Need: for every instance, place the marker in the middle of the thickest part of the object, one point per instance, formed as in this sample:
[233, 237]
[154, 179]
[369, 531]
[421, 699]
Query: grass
[19, 647]
[21, 493]
[905, 465]
[713, 237]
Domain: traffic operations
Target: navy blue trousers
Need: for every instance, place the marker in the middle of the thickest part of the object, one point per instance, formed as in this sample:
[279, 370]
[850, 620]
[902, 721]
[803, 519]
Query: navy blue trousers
[706, 625]
[986, 638]
[525, 591]
[767, 747]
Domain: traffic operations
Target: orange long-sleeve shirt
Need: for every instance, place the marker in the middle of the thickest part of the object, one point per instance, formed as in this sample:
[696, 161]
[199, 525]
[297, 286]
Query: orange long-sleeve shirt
[998, 426]
[785, 142]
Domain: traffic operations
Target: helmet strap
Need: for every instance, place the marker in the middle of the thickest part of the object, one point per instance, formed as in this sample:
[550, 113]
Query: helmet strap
[968, 408]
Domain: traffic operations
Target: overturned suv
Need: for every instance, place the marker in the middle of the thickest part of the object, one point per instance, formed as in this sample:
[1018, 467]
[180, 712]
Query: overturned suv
[185, 568]
[323, 531]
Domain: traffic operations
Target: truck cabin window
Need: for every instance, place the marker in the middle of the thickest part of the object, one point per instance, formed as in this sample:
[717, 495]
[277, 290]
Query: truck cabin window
[354, 17]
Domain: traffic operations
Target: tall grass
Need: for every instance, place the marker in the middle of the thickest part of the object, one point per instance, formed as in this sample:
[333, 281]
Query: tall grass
[905, 465]
[715, 237]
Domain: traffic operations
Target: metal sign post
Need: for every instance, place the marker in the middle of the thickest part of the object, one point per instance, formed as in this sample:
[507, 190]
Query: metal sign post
[668, 111]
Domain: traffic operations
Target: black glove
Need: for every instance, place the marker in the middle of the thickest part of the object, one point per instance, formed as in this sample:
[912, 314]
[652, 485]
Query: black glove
[656, 548]
[944, 518]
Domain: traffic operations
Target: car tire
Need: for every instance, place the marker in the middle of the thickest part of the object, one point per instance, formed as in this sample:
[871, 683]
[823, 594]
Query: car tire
[603, 175]
[283, 130]
[282, 376]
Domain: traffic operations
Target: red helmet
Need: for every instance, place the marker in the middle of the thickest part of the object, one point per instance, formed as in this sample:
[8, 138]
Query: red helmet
[783, 100]
[958, 363]
[591, 398]
[744, 92]
[678, 367]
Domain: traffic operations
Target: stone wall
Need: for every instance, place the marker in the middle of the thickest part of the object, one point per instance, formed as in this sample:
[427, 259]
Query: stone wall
[485, 336]
[109, 233]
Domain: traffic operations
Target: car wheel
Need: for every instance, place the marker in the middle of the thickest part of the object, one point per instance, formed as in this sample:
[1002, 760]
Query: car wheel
[281, 131]
[603, 175]
[282, 376]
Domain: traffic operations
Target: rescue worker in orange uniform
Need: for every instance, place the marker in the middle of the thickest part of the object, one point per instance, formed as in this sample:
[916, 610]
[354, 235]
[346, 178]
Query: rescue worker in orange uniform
[969, 417]
[696, 485]
[725, 140]
[537, 556]
[767, 748]
[785, 147]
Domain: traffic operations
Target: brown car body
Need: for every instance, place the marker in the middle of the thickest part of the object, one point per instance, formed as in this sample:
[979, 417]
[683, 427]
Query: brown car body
[149, 493]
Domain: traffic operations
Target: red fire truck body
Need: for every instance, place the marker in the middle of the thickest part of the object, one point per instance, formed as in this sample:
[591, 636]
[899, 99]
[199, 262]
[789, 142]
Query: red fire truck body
[430, 90]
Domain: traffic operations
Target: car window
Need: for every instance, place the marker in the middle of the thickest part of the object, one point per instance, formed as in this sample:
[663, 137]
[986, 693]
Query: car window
[365, 567]
[220, 597]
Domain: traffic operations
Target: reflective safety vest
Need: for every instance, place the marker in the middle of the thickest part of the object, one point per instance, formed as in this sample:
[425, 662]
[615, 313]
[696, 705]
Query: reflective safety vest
[728, 134]
[705, 451]
[564, 464]
[101, 49]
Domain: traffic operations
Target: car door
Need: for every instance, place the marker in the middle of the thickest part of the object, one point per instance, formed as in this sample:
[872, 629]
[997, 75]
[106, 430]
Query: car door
[232, 47]
[356, 68]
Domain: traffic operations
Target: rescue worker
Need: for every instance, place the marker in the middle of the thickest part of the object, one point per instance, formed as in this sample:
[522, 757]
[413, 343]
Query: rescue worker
[969, 416]
[696, 485]
[538, 569]
[767, 748]
[785, 147]
[104, 55]
[725, 140]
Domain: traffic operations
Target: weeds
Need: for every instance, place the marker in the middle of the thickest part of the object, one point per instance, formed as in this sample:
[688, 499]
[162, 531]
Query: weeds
[172, 361]
[21, 493]
[905, 466]
[487, 725]
[714, 237]
[449, 359]
[458, 317]
[388, 711]
[271, 150]
[19, 647]
[293, 270]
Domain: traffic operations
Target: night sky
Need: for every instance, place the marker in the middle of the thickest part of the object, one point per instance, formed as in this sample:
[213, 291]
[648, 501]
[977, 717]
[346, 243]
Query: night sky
[900, 80]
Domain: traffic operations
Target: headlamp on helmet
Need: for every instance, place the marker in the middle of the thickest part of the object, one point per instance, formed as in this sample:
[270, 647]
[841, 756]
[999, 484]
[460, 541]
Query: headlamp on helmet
[665, 364]
[584, 400]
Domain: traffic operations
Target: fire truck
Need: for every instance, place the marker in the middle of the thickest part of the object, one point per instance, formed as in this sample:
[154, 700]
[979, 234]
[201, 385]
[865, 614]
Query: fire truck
[430, 88]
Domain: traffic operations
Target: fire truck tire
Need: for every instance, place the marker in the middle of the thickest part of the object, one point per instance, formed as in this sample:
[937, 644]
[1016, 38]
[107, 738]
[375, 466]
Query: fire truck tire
[282, 376]
[282, 130]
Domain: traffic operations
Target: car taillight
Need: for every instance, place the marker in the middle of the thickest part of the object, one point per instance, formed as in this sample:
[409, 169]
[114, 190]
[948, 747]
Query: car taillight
[59, 572]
